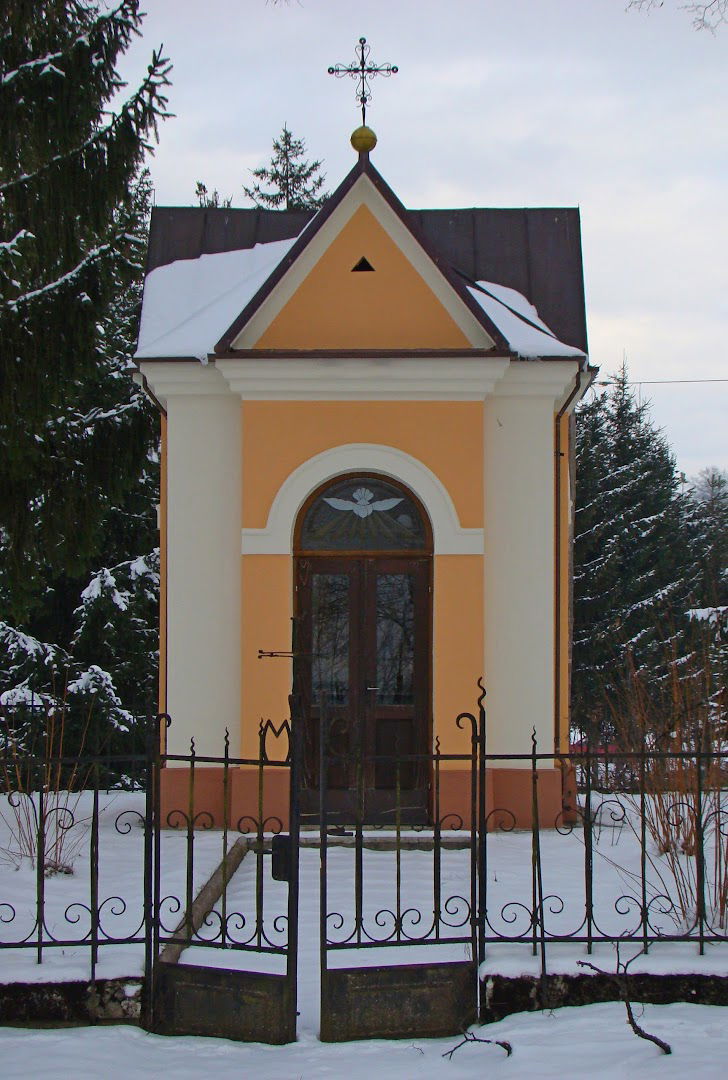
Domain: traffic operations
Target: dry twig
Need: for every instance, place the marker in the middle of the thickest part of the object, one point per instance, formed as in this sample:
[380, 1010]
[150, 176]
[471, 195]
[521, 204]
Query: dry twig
[620, 978]
[470, 1036]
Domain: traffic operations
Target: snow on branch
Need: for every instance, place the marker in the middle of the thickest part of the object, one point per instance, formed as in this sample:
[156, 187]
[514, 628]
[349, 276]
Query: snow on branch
[65, 279]
[145, 106]
[715, 617]
[12, 247]
[46, 64]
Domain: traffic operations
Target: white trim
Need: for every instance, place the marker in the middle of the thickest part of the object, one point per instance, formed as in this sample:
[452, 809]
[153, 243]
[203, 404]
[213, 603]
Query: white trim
[363, 193]
[449, 537]
[538, 378]
[176, 378]
[371, 378]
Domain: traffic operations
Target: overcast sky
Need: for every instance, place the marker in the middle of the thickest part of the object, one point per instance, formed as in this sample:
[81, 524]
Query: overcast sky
[497, 103]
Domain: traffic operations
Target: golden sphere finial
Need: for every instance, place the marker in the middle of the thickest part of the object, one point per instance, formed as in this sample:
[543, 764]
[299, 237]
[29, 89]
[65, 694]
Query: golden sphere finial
[363, 139]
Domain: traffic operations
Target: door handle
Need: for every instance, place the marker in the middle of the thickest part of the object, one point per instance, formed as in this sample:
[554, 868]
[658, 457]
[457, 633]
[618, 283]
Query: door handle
[372, 687]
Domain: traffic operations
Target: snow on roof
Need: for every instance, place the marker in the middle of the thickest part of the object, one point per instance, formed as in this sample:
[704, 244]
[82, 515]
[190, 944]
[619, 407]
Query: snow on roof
[518, 321]
[190, 303]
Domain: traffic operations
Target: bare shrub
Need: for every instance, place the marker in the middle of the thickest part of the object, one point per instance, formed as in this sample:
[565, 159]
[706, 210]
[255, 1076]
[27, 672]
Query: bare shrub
[675, 740]
[42, 787]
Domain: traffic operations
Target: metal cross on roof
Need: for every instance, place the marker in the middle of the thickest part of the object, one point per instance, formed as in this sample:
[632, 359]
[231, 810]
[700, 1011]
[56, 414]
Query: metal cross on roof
[363, 71]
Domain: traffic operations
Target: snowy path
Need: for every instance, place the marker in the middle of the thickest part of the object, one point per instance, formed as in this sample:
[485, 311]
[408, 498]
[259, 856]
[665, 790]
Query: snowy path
[379, 893]
[567, 1044]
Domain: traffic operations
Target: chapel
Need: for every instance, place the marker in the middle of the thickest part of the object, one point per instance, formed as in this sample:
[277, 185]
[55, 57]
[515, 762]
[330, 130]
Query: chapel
[367, 482]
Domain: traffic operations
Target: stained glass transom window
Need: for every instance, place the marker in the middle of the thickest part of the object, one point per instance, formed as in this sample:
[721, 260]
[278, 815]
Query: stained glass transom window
[363, 514]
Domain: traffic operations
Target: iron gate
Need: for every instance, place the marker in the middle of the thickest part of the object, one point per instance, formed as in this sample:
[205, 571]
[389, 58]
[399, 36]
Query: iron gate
[391, 894]
[212, 949]
[401, 904]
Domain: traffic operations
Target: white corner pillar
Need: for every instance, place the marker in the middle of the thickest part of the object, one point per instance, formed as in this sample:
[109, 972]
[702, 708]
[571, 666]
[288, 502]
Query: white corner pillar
[519, 555]
[203, 559]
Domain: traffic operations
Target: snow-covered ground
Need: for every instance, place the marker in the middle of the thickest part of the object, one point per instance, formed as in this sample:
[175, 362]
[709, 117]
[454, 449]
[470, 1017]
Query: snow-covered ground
[67, 896]
[565, 1043]
[593, 1041]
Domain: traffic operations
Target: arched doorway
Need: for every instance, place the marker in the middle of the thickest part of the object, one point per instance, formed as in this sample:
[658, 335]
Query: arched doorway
[363, 647]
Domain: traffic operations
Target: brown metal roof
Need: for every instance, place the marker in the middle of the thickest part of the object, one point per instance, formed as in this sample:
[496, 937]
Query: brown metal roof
[536, 251]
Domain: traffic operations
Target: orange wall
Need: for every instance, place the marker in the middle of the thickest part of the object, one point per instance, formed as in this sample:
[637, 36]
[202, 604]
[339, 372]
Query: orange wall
[390, 308]
[458, 647]
[447, 436]
[267, 590]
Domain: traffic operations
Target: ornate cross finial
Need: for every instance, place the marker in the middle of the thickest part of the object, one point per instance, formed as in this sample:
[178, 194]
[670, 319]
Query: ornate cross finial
[363, 72]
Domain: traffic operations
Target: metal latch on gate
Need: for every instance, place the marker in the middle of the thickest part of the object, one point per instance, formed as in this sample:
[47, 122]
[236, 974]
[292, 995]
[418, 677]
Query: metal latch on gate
[281, 851]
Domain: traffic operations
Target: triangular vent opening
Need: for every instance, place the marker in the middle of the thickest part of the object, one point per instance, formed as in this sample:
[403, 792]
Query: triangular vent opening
[361, 266]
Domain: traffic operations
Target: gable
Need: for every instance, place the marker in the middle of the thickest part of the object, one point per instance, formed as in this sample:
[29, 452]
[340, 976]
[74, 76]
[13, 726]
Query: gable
[363, 293]
[364, 187]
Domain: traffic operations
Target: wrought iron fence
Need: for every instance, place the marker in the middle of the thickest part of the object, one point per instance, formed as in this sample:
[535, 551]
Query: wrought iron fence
[257, 917]
[639, 852]
[64, 789]
[108, 861]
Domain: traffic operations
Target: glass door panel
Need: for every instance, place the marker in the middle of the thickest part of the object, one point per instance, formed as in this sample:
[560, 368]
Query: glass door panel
[330, 631]
[395, 638]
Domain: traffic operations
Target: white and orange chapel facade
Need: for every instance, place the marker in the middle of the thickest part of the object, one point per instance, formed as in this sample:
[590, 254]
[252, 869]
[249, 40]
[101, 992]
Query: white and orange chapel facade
[367, 437]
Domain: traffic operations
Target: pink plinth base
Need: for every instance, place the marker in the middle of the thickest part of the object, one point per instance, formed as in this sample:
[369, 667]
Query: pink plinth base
[509, 798]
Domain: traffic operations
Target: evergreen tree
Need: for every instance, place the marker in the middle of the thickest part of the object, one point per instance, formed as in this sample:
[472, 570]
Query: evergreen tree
[710, 498]
[211, 200]
[634, 564]
[709, 616]
[89, 645]
[68, 249]
[294, 183]
[79, 479]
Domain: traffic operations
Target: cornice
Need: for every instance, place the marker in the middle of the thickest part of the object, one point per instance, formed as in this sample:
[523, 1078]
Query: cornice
[183, 379]
[550, 379]
[380, 379]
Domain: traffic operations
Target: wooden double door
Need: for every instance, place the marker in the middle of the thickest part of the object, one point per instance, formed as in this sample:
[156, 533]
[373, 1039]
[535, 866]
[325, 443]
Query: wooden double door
[362, 668]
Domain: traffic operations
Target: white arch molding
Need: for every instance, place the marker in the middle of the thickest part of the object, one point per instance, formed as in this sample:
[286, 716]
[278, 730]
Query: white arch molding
[449, 537]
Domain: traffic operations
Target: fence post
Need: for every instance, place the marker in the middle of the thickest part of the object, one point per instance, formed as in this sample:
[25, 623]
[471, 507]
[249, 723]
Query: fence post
[536, 879]
[151, 826]
[323, 836]
[94, 854]
[295, 736]
[190, 877]
[700, 848]
[474, 845]
[259, 839]
[40, 846]
[588, 848]
[482, 826]
[643, 844]
[436, 843]
[225, 824]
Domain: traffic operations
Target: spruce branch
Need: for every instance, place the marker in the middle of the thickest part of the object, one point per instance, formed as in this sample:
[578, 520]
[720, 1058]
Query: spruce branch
[125, 17]
[143, 109]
